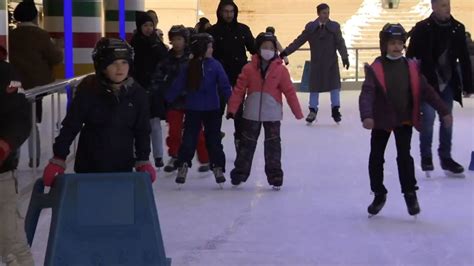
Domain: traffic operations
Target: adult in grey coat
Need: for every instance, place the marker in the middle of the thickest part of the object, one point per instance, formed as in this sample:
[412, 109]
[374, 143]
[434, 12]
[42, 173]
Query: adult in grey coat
[324, 37]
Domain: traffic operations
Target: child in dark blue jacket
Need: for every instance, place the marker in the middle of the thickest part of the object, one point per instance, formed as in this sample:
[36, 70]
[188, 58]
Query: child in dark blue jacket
[204, 79]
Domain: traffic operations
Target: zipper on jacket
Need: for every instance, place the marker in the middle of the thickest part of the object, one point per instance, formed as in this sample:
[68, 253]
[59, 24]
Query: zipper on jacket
[261, 96]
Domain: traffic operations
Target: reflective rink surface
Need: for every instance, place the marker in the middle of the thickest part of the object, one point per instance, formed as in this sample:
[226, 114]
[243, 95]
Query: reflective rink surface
[319, 217]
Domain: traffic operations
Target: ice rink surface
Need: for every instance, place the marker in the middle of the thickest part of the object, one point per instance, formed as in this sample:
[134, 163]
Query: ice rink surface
[320, 215]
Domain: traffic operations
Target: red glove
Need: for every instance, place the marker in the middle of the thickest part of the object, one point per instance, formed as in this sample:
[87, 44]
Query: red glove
[4, 150]
[55, 167]
[147, 168]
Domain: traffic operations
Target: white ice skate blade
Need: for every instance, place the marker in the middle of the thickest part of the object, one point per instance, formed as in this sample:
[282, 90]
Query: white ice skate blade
[276, 188]
[180, 186]
[221, 186]
[428, 174]
[371, 215]
[451, 174]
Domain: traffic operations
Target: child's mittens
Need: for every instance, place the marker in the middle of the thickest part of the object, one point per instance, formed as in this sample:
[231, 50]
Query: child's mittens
[448, 121]
[146, 168]
[368, 123]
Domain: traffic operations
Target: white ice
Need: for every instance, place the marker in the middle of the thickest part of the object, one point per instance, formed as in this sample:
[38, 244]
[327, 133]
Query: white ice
[320, 215]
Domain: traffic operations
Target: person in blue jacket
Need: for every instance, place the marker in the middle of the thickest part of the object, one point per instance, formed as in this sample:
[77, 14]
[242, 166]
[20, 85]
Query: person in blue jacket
[204, 79]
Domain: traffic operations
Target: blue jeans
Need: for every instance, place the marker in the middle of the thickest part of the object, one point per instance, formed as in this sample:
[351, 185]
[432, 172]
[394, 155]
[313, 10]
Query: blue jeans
[314, 99]
[426, 133]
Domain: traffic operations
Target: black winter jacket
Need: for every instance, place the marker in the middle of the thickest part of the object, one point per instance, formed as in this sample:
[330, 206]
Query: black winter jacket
[110, 125]
[164, 75]
[15, 114]
[423, 43]
[231, 40]
[148, 52]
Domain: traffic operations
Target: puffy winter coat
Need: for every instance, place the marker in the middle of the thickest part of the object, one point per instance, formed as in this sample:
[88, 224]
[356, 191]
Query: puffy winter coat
[374, 103]
[111, 126]
[264, 94]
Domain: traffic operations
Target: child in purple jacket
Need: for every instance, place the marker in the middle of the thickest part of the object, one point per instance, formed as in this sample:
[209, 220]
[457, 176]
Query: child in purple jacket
[390, 101]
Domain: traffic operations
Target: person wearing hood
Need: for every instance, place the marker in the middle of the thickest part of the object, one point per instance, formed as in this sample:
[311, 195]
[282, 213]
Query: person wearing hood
[439, 42]
[232, 41]
[33, 55]
[149, 51]
[325, 38]
[111, 112]
[261, 85]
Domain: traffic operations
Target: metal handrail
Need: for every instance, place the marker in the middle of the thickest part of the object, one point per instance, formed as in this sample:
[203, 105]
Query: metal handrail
[357, 49]
[55, 87]
[40, 92]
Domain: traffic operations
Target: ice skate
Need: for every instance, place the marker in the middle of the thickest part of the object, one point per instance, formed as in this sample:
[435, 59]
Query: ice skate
[182, 173]
[159, 163]
[377, 204]
[412, 203]
[427, 166]
[336, 115]
[275, 182]
[170, 167]
[219, 175]
[311, 116]
[451, 168]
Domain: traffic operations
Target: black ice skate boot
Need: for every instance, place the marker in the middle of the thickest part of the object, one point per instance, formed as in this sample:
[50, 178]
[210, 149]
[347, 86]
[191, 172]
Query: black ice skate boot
[311, 116]
[219, 175]
[377, 204]
[182, 173]
[451, 167]
[159, 162]
[427, 165]
[276, 182]
[170, 167]
[412, 203]
[336, 115]
[235, 178]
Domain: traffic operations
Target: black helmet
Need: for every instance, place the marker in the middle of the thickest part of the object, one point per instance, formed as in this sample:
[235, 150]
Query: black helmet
[107, 50]
[263, 37]
[391, 31]
[199, 42]
[179, 30]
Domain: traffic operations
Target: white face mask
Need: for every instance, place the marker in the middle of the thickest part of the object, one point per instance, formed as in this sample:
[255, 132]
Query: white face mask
[394, 57]
[267, 54]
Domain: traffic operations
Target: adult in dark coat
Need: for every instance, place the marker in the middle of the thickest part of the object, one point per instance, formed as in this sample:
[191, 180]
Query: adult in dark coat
[439, 41]
[33, 55]
[325, 38]
[232, 40]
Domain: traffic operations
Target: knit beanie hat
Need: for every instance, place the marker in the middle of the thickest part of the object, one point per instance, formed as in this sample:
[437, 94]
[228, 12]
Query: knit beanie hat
[141, 18]
[25, 11]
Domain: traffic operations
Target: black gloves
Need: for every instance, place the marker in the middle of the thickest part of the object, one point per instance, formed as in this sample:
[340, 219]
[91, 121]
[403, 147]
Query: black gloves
[345, 63]
[283, 54]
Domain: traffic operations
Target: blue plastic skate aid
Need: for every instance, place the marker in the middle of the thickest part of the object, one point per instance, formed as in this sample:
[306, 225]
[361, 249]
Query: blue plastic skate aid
[471, 165]
[105, 219]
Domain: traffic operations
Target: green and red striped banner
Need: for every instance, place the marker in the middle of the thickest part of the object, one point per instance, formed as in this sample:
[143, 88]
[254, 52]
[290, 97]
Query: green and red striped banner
[112, 17]
[86, 26]
[3, 23]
